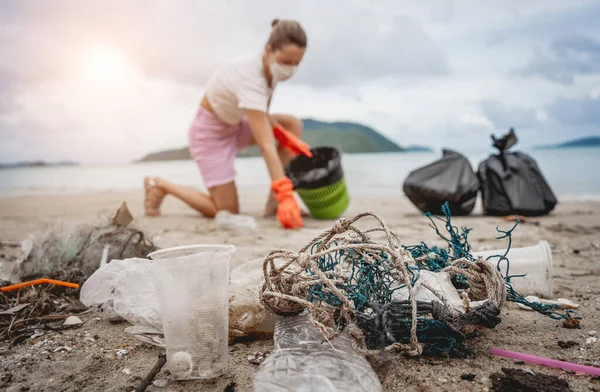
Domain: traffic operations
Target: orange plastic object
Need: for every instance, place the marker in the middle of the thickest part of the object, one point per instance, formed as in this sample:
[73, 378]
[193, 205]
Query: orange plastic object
[290, 141]
[39, 281]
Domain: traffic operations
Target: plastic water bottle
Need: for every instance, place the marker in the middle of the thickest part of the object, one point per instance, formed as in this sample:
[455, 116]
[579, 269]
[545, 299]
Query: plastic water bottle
[237, 223]
[303, 362]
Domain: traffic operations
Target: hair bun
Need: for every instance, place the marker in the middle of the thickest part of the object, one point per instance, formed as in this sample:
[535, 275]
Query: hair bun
[274, 22]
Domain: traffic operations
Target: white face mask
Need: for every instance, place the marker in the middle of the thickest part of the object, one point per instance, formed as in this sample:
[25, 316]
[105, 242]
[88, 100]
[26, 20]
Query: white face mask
[280, 72]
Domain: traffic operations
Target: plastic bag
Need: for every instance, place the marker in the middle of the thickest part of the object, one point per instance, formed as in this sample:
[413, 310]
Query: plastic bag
[124, 288]
[322, 169]
[512, 182]
[450, 179]
[436, 286]
[80, 247]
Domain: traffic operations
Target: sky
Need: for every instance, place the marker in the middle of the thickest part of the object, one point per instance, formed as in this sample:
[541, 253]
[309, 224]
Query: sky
[114, 80]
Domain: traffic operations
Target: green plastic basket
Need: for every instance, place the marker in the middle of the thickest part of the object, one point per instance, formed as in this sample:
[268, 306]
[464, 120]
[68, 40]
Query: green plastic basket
[328, 202]
[319, 181]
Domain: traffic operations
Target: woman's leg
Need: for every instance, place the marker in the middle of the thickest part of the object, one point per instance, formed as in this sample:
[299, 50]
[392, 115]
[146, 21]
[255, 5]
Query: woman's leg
[295, 126]
[221, 197]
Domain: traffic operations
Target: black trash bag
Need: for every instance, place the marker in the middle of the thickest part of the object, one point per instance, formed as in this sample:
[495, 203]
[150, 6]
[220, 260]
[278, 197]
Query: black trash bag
[512, 183]
[323, 169]
[450, 179]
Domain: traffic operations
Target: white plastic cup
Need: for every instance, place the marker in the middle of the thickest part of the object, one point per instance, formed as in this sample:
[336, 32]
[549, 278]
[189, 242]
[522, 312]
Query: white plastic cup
[534, 261]
[193, 291]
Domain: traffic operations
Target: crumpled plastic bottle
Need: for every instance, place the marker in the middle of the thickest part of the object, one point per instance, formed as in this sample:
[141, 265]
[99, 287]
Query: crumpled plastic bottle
[303, 361]
[236, 223]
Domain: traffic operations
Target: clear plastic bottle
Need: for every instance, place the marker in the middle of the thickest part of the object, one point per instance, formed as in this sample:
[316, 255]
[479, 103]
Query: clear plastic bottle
[301, 363]
[237, 223]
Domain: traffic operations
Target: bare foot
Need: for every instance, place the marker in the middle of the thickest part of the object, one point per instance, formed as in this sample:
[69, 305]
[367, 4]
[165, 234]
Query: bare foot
[153, 197]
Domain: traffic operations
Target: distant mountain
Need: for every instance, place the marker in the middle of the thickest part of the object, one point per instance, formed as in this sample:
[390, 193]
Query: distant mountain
[417, 148]
[589, 141]
[349, 137]
[36, 164]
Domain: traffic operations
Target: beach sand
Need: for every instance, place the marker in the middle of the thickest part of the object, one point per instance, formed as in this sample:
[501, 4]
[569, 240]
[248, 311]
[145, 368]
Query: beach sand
[573, 231]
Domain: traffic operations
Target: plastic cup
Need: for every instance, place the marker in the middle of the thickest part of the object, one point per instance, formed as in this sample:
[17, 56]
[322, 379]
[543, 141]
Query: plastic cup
[193, 291]
[535, 262]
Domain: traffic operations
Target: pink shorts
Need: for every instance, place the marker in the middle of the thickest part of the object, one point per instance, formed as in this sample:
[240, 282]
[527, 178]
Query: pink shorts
[213, 145]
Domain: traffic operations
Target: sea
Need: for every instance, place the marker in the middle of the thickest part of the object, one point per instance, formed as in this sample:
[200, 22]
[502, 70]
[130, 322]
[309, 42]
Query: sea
[574, 174]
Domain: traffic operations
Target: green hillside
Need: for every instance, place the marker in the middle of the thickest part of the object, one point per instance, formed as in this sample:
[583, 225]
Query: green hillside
[349, 137]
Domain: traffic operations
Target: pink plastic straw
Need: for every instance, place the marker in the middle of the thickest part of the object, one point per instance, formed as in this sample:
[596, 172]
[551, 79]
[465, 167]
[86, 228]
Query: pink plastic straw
[594, 371]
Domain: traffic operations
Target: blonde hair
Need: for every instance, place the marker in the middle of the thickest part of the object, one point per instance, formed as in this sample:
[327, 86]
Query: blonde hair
[285, 32]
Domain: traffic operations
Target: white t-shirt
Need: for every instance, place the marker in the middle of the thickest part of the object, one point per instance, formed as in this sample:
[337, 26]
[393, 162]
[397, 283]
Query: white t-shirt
[239, 84]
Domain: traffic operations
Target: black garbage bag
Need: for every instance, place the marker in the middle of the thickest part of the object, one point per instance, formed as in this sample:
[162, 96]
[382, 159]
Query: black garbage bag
[512, 183]
[323, 169]
[450, 179]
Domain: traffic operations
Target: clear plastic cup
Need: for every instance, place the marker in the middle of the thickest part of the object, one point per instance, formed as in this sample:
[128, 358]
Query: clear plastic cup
[193, 290]
[535, 262]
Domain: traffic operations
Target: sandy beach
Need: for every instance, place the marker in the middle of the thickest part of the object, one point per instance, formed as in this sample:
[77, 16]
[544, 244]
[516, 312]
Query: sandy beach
[572, 230]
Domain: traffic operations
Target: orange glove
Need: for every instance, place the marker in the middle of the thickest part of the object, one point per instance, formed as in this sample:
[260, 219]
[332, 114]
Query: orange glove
[288, 211]
[288, 140]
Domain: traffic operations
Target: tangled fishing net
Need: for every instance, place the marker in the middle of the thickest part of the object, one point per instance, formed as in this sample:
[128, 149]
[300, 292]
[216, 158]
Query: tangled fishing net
[80, 247]
[69, 255]
[391, 296]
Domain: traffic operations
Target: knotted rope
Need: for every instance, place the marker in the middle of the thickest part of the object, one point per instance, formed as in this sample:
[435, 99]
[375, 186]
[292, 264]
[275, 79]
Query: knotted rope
[346, 281]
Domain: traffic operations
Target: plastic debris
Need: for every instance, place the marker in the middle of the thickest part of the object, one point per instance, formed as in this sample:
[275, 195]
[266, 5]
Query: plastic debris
[146, 334]
[126, 289]
[37, 333]
[236, 223]
[512, 183]
[450, 178]
[302, 362]
[562, 303]
[160, 383]
[546, 361]
[258, 357]
[63, 348]
[78, 247]
[72, 321]
[39, 281]
[14, 310]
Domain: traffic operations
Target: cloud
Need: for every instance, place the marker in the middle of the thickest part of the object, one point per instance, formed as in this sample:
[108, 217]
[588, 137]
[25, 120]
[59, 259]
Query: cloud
[187, 40]
[432, 73]
[566, 58]
[504, 116]
[377, 46]
[581, 111]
